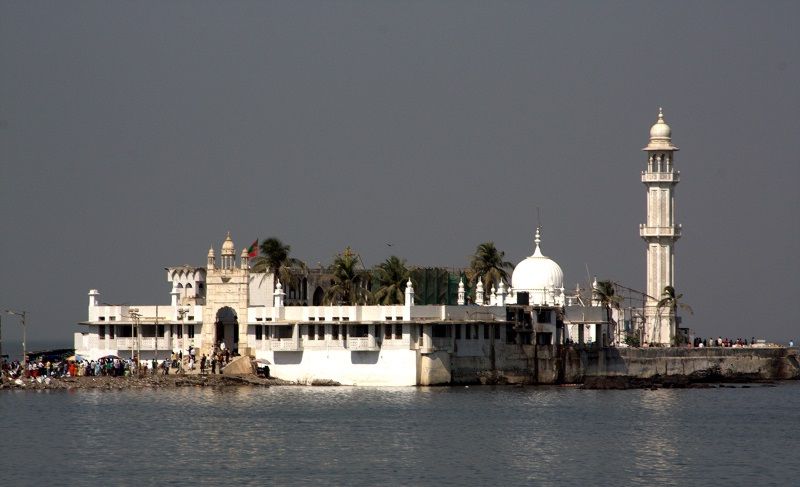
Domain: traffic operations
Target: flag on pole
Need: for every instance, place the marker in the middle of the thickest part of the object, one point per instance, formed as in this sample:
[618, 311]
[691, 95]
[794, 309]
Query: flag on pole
[252, 250]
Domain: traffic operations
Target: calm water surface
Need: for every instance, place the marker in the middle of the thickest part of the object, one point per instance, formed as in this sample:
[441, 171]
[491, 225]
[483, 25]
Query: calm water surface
[403, 436]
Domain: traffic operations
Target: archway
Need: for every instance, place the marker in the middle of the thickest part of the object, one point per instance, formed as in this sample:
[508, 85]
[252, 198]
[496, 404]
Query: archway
[319, 294]
[226, 328]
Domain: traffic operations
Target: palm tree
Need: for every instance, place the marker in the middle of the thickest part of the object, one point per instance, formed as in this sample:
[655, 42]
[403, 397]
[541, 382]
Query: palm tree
[487, 263]
[391, 277]
[348, 276]
[671, 302]
[607, 294]
[275, 259]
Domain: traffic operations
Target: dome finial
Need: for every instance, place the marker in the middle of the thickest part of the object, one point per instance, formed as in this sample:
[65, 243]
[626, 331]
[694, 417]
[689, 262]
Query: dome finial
[537, 239]
[661, 114]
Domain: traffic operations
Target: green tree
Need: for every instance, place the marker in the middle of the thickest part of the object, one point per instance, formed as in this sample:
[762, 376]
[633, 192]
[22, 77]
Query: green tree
[275, 260]
[487, 263]
[607, 294]
[671, 301]
[349, 280]
[391, 277]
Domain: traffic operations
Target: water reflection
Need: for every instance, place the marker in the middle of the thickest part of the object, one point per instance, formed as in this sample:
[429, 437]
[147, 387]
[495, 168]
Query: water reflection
[406, 436]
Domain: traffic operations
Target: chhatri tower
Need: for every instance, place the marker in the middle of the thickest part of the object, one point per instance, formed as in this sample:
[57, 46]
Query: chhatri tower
[660, 232]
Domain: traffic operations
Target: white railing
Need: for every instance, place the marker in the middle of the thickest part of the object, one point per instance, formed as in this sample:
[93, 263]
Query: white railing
[658, 177]
[367, 343]
[646, 231]
[285, 344]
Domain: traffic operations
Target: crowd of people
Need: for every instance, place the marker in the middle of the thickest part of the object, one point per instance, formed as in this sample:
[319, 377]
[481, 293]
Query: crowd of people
[113, 366]
[723, 342]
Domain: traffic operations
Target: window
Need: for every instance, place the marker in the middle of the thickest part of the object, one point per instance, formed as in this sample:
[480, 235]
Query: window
[267, 319]
[259, 332]
[312, 318]
[398, 331]
[112, 318]
[335, 318]
[458, 332]
[388, 318]
[111, 330]
[485, 331]
[334, 332]
[321, 332]
[311, 331]
[345, 318]
[387, 330]
[101, 332]
[259, 319]
[102, 318]
[160, 331]
[321, 318]
[344, 332]
[543, 316]
[377, 331]
[180, 331]
[191, 317]
[511, 335]
[360, 331]
[190, 331]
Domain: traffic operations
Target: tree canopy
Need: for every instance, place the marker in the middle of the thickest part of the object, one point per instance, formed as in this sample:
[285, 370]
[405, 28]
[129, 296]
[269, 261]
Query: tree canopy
[487, 264]
[391, 276]
[275, 259]
[349, 280]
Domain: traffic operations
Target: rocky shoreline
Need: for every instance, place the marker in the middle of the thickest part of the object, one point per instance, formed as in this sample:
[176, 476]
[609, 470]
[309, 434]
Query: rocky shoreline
[149, 382]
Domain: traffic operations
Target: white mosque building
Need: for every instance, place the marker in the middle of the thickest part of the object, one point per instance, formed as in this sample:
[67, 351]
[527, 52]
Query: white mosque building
[408, 344]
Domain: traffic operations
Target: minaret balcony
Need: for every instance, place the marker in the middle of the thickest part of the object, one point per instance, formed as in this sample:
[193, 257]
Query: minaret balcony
[657, 232]
[661, 177]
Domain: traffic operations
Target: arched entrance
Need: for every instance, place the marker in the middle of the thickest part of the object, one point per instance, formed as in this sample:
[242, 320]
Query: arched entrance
[319, 294]
[226, 328]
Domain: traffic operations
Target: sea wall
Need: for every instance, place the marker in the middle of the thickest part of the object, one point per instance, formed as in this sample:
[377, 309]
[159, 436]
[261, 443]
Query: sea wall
[531, 364]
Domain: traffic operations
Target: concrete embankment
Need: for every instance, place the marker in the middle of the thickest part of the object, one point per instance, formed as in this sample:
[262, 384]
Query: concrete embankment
[632, 367]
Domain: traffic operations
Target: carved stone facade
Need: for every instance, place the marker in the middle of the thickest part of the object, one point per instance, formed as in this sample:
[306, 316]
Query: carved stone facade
[227, 300]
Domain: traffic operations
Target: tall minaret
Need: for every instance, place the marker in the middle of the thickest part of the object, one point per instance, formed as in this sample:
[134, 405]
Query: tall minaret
[660, 232]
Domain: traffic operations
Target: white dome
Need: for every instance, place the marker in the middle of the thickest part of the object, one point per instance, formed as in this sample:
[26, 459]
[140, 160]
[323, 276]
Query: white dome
[227, 246]
[660, 130]
[537, 272]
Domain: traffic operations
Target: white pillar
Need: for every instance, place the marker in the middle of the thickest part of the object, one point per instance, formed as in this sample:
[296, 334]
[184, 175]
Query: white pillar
[461, 293]
[409, 301]
[278, 295]
[501, 295]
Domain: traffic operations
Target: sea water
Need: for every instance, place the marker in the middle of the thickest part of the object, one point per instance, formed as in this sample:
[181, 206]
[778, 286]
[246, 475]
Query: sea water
[401, 436]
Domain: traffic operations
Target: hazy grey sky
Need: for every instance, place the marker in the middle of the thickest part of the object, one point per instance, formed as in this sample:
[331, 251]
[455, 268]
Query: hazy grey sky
[135, 134]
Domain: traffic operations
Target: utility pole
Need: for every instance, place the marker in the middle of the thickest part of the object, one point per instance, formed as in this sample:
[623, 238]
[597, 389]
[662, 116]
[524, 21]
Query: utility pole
[134, 314]
[23, 315]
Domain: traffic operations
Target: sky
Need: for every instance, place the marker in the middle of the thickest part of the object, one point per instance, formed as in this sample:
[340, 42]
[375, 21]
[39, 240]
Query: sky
[134, 135]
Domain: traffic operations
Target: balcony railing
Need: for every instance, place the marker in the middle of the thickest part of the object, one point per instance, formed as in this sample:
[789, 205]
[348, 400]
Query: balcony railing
[286, 344]
[661, 177]
[362, 344]
[646, 231]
